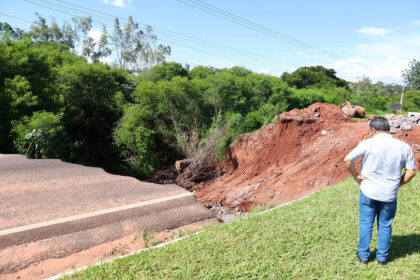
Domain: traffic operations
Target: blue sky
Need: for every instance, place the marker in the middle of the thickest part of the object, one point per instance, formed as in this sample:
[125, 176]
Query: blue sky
[372, 38]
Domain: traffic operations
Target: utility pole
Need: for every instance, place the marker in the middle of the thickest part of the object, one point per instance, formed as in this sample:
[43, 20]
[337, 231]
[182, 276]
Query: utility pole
[402, 97]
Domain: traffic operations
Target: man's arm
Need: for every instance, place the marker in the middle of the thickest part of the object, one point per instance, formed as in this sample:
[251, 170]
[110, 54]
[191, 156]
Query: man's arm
[407, 176]
[350, 167]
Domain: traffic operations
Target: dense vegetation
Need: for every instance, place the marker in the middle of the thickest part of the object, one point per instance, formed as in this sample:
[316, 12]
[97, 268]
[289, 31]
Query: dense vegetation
[58, 104]
[314, 238]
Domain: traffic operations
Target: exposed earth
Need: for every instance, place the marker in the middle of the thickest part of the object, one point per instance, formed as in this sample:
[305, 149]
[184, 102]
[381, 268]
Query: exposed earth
[49, 267]
[300, 153]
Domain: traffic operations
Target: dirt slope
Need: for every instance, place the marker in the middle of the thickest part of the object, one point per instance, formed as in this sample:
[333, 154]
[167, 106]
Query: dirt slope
[299, 154]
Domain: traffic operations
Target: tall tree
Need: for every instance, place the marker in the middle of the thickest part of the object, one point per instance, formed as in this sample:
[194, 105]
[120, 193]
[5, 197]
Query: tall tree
[412, 75]
[128, 42]
[96, 49]
[72, 35]
[134, 47]
[12, 33]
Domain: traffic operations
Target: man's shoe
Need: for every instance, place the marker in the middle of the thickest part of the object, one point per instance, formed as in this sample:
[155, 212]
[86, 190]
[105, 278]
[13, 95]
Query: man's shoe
[360, 259]
[382, 262]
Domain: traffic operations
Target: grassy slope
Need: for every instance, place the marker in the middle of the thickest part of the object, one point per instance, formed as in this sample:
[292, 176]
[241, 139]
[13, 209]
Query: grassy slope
[312, 238]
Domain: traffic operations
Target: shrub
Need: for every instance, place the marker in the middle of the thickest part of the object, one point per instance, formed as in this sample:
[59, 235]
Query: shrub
[41, 135]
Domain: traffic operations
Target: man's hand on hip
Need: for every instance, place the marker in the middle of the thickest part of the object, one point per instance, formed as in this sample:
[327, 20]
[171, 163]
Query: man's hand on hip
[350, 167]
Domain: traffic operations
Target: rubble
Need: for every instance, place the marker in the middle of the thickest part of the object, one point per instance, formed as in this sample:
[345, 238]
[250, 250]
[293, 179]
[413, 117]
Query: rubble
[352, 110]
[180, 165]
[399, 122]
[241, 195]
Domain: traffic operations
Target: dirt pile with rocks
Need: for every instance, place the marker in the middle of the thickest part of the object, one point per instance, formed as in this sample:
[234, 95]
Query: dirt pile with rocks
[399, 122]
[300, 153]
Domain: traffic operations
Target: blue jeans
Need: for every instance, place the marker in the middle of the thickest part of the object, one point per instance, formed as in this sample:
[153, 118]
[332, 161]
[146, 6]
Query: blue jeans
[385, 213]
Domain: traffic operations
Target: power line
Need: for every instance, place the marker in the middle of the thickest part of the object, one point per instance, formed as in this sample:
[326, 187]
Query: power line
[210, 9]
[164, 40]
[177, 34]
[213, 53]
[230, 50]
[33, 22]
[177, 43]
[99, 12]
[18, 18]
[245, 22]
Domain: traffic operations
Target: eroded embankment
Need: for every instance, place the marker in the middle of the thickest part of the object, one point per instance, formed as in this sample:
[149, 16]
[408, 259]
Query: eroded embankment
[300, 153]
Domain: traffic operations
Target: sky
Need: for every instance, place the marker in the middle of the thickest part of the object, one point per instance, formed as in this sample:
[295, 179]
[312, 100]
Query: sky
[375, 38]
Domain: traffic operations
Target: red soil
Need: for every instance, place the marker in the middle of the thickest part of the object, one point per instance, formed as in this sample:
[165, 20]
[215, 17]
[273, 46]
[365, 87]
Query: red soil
[301, 153]
[130, 243]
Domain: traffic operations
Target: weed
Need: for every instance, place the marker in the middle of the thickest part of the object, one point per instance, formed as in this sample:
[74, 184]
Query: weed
[120, 249]
[270, 204]
[189, 231]
[180, 233]
[256, 209]
[148, 238]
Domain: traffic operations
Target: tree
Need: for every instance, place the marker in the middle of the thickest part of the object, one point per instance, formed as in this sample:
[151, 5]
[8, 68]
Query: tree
[72, 36]
[412, 75]
[202, 72]
[168, 70]
[161, 53]
[28, 81]
[135, 47]
[314, 76]
[136, 142]
[90, 94]
[14, 34]
[96, 50]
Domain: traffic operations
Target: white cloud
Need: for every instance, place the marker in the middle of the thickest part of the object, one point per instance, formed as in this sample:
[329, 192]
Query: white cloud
[266, 71]
[381, 60]
[387, 69]
[107, 60]
[95, 34]
[117, 3]
[375, 31]
[414, 22]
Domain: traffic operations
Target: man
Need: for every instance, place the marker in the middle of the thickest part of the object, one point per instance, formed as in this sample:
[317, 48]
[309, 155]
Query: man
[384, 157]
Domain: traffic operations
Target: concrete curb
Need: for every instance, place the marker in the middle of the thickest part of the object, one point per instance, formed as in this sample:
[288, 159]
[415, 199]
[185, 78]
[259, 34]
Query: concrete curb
[120, 257]
[165, 243]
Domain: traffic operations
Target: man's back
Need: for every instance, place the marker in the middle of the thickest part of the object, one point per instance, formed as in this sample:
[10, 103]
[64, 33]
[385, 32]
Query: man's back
[384, 157]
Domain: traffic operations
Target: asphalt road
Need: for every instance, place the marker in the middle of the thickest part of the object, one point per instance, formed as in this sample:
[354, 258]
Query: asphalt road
[55, 203]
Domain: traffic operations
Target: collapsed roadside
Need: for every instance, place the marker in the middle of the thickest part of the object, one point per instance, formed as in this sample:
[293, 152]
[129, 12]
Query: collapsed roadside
[301, 152]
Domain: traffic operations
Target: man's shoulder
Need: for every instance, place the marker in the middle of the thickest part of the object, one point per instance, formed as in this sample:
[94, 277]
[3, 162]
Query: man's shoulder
[400, 143]
[366, 141]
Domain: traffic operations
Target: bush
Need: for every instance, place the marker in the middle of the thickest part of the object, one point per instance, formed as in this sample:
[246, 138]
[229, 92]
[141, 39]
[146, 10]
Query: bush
[136, 142]
[40, 136]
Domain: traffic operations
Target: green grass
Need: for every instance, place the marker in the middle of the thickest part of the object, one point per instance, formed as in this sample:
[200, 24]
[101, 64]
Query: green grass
[308, 239]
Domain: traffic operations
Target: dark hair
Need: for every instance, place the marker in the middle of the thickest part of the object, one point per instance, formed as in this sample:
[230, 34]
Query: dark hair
[380, 124]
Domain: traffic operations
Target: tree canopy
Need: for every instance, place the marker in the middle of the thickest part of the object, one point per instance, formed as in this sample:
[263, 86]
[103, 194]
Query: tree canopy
[56, 103]
[412, 75]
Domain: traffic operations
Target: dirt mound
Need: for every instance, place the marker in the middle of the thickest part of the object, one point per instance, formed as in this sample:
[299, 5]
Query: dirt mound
[300, 153]
[412, 138]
